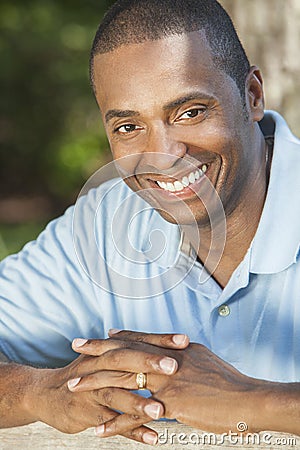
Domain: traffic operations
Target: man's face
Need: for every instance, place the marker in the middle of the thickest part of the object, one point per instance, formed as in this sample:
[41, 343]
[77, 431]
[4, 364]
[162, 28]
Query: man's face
[180, 124]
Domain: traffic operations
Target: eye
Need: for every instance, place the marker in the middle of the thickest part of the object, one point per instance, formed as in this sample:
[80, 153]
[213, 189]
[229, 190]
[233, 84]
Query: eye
[126, 129]
[192, 113]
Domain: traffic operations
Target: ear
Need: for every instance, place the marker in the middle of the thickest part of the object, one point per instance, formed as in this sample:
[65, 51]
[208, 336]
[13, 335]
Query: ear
[255, 94]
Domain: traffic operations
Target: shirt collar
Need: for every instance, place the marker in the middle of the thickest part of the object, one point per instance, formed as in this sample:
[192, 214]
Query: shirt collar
[276, 242]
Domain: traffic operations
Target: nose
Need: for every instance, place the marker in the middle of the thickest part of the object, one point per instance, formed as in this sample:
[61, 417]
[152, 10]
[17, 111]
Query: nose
[163, 149]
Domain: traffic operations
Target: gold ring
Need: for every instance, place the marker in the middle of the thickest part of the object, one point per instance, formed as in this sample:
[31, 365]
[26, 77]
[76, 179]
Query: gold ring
[141, 380]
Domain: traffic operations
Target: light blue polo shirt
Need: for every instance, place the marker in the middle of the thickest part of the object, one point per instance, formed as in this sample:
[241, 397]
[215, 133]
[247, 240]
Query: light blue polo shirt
[113, 262]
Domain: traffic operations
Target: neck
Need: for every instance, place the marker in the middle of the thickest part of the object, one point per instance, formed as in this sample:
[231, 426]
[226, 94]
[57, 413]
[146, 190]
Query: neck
[241, 226]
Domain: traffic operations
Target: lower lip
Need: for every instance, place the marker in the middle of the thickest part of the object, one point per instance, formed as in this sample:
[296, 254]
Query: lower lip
[187, 192]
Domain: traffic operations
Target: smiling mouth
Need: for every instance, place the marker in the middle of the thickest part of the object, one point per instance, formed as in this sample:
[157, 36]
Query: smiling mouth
[186, 181]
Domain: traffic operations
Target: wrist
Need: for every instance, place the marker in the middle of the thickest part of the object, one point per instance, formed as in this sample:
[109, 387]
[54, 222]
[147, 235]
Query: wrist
[35, 392]
[17, 389]
[255, 405]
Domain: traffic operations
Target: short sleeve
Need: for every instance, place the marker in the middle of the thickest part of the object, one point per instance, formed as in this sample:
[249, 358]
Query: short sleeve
[46, 299]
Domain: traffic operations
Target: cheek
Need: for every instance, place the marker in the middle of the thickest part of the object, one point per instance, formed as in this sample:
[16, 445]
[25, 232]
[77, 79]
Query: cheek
[211, 135]
[236, 163]
[125, 158]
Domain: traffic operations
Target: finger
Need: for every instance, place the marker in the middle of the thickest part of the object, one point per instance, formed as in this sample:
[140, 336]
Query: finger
[126, 360]
[107, 378]
[142, 434]
[175, 341]
[95, 347]
[103, 379]
[131, 404]
[120, 425]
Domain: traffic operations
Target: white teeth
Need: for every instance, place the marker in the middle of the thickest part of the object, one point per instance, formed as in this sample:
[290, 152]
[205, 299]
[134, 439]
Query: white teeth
[178, 186]
[162, 184]
[185, 181]
[192, 178]
[170, 187]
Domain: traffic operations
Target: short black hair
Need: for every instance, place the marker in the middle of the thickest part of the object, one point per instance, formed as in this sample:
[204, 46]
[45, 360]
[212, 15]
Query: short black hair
[136, 21]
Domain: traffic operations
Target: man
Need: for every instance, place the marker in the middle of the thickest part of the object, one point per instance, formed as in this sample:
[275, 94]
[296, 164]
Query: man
[184, 114]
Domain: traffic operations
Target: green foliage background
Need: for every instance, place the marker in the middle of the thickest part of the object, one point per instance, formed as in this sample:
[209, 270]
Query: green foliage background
[50, 132]
[51, 136]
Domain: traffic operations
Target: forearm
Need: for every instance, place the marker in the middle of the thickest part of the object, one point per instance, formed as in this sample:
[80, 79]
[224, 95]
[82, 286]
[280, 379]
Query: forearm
[17, 389]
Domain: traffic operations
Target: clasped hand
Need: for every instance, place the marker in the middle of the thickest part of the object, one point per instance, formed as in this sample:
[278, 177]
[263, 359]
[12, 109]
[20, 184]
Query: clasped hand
[187, 381]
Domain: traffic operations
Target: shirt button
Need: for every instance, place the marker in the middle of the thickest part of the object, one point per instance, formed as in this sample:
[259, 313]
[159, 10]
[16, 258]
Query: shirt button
[224, 310]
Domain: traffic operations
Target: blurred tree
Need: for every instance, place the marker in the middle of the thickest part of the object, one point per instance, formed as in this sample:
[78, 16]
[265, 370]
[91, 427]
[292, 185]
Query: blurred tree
[49, 123]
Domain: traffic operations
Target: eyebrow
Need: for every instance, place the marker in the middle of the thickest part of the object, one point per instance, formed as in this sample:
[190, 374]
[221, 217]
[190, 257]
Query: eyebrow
[120, 113]
[112, 113]
[197, 95]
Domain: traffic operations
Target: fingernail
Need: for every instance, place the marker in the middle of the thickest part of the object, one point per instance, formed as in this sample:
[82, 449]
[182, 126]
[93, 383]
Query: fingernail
[100, 430]
[114, 331]
[73, 383]
[168, 365]
[79, 342]
[179, 339]
[150, 438]
[154, 411]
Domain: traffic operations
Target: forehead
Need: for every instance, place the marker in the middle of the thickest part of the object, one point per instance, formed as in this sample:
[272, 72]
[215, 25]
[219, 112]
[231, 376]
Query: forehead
[155, 71]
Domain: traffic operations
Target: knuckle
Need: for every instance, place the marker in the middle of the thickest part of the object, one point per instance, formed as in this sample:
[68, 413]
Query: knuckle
[100, 419]
[107, 396]
[108, 361]
[164, 341]
[134, 418]
[140, 338]
[152, 361]
[95, 342]
[135, 434]
[138, 406]
[114, 357]
[112, 428]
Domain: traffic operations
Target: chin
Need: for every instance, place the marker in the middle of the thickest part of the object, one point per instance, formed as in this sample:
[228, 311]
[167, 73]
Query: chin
[201, 219]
